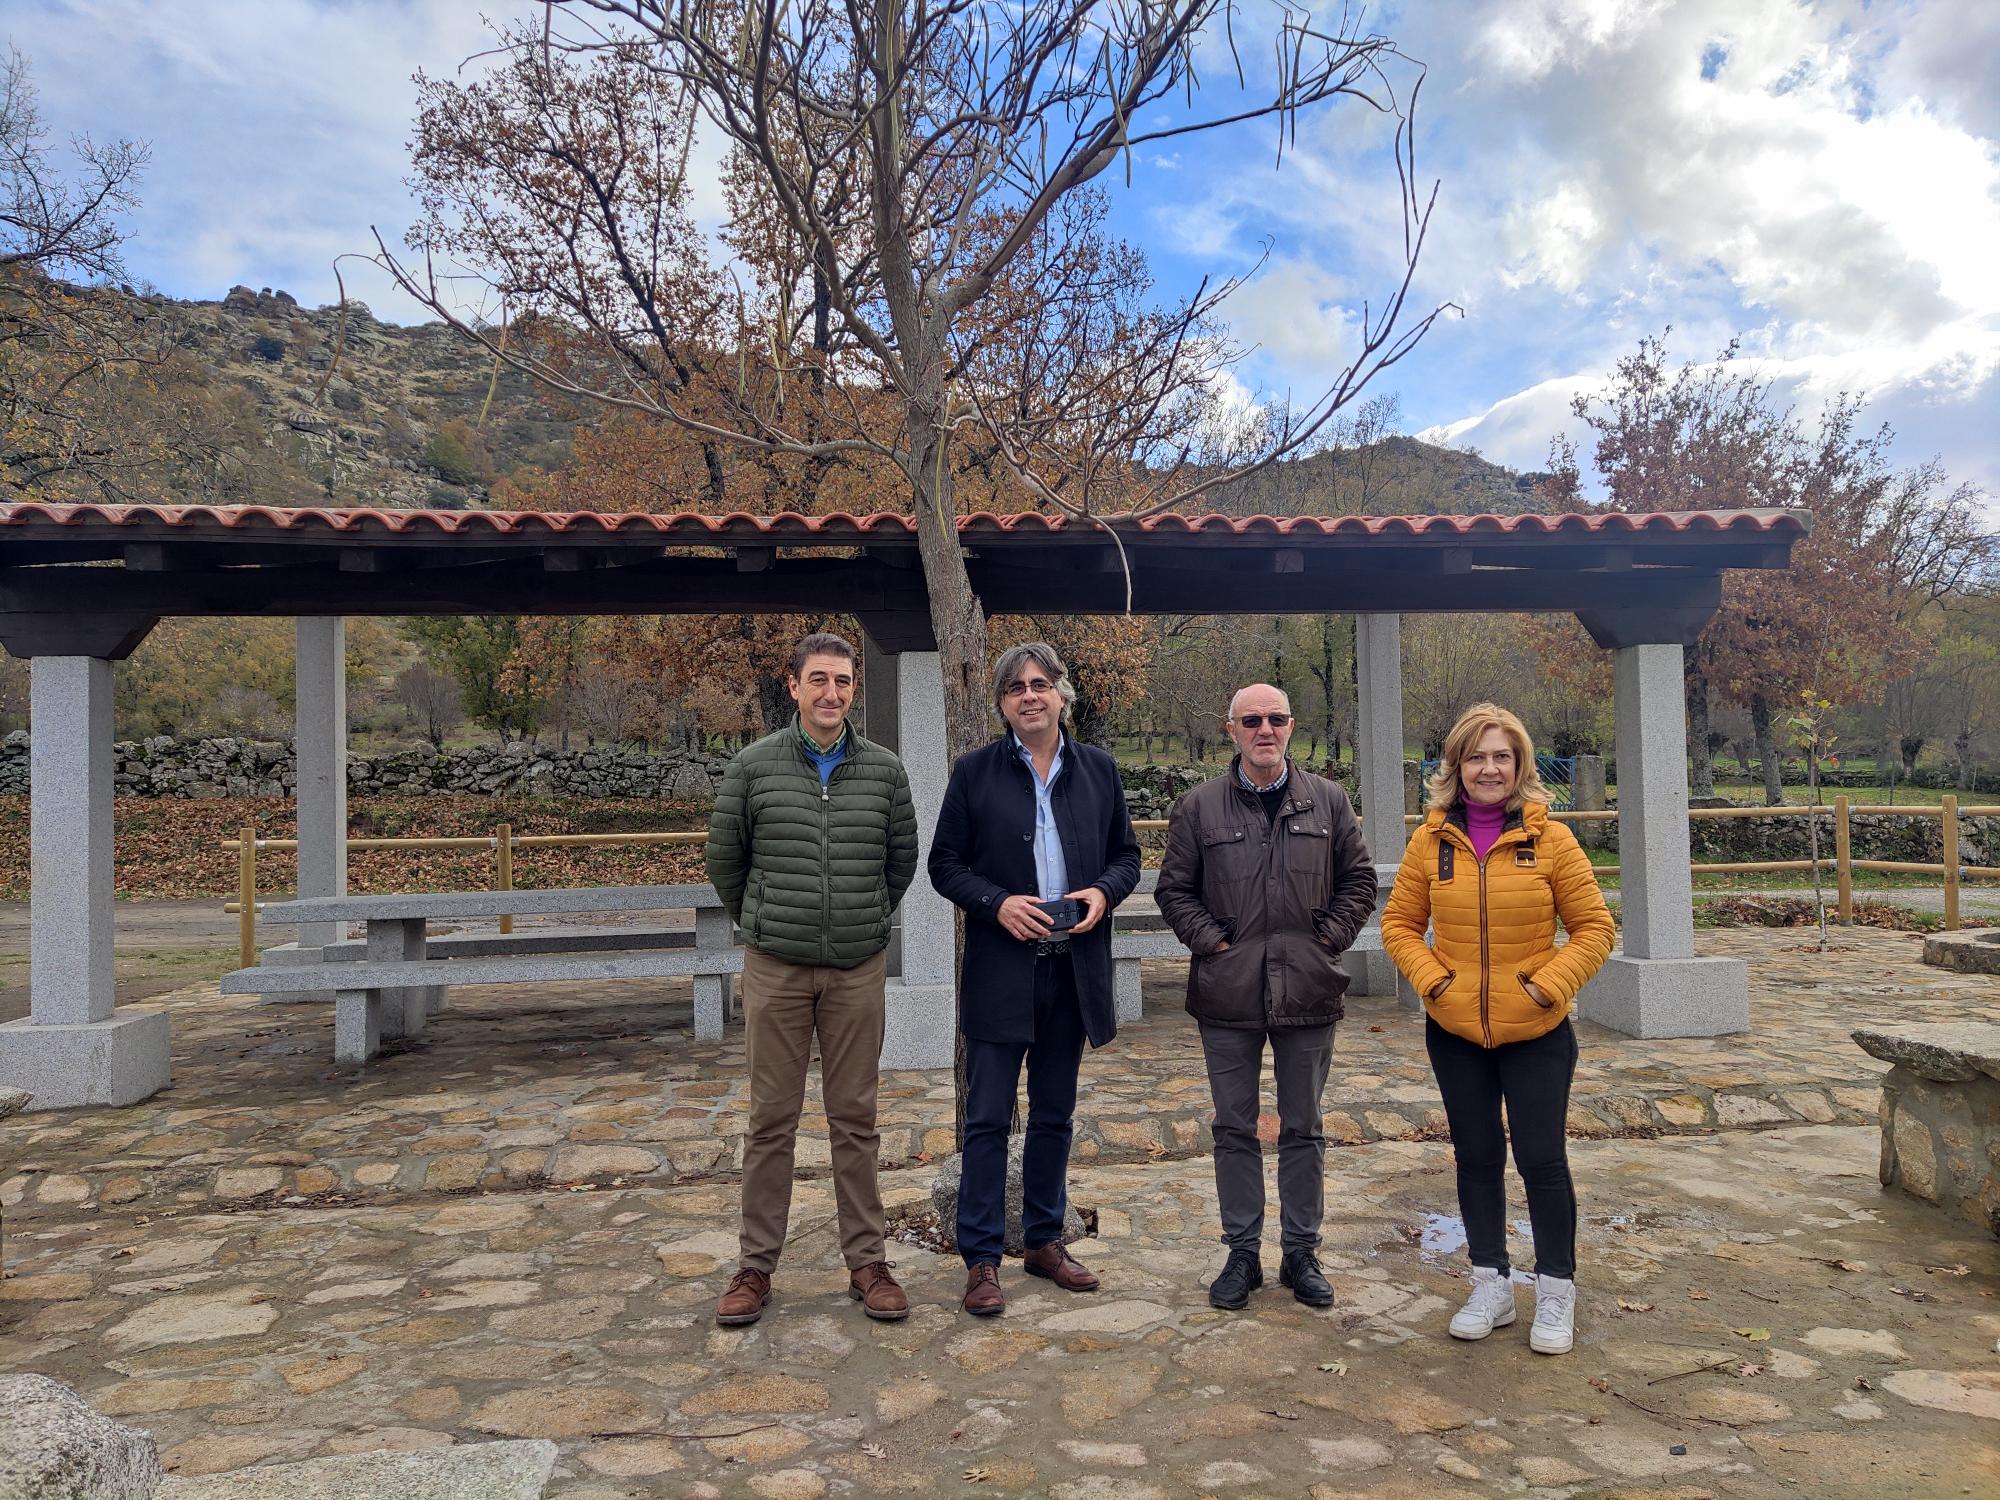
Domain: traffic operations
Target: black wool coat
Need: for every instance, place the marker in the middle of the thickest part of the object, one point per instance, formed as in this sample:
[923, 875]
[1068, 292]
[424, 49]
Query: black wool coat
[984, 852]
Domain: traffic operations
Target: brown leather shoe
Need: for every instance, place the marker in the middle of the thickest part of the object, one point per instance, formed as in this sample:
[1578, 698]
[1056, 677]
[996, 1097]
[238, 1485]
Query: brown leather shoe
[743, 1301]
[983, 1297]
[1056, 1263]
[877, 1292]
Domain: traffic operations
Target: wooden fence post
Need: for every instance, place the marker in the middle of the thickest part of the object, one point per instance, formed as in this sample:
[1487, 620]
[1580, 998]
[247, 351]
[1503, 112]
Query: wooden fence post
[246, 897]
[1843, 859]
[1950, 862]
[503, 848]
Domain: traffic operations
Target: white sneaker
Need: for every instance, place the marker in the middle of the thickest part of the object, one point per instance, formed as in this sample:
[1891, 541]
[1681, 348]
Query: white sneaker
[1555, 1316]
[1490, 1306]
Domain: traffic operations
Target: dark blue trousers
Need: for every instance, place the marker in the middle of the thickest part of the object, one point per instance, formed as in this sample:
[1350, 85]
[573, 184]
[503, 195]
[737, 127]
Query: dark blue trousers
[992, 1079]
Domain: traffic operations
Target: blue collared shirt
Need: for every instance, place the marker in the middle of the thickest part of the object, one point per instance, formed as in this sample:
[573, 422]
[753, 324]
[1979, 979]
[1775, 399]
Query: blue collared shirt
[1051, 871]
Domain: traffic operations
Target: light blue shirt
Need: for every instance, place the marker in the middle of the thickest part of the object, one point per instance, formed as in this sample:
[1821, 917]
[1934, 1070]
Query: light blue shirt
[1051, 872]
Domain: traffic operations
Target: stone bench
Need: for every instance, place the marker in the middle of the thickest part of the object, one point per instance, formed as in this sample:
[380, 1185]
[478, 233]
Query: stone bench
[497, 944]
[1975, 952]
[1941, 1114]
[390, 982]
[374, 1001]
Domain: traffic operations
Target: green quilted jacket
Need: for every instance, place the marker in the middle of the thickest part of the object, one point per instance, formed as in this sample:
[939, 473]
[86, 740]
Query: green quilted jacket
[808, 873]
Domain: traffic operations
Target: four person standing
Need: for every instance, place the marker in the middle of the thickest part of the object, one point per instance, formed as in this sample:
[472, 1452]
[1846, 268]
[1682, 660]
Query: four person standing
[1266, 880]
[812, 844]
[1031, 821]
[1490, 872]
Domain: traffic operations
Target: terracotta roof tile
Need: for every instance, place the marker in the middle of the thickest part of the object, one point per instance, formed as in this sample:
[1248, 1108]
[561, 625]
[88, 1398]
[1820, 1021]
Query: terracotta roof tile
[688, 525]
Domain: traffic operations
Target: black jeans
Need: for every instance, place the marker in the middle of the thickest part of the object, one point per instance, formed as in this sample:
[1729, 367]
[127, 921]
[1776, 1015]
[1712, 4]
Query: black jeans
[1533, 1080]
[992, 1078]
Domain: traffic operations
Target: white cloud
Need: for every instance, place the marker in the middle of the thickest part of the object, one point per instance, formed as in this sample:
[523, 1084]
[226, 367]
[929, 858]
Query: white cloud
[1295, 314]
[1822, 177]
[277, 127]
[1516, 429]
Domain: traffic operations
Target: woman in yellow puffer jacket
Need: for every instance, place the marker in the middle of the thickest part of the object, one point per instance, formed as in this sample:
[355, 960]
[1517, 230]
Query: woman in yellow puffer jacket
[1490, 873]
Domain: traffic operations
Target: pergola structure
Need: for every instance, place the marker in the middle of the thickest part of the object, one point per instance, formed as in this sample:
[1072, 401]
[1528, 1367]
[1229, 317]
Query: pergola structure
[80, 587]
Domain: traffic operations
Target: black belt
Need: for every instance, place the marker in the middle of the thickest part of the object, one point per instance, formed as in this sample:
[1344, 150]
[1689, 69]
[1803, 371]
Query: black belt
[1051, 949]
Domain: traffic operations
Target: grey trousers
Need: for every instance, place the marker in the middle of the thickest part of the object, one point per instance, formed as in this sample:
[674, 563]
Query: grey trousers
[1300, 1059]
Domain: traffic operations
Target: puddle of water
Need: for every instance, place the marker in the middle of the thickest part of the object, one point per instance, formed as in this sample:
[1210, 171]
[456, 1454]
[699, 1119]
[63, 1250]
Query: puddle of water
[1444, 1234]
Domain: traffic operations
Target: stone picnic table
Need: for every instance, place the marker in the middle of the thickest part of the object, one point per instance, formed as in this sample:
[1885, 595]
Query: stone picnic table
[397, 984]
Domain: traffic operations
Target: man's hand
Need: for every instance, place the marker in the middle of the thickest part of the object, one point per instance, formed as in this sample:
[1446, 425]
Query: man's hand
[1094, 907]
[1024, 919]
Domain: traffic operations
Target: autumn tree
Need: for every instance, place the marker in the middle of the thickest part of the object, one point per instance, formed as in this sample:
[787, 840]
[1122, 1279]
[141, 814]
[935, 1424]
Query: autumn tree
[478, 650]
[1842, 617]
[914, 156]
[432, 699]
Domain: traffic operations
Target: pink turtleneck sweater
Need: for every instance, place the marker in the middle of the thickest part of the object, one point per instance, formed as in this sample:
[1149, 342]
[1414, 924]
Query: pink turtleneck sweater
[1484, 820]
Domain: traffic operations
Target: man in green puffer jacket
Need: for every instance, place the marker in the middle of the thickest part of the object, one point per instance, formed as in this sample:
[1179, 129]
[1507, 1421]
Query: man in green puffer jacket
[813, 842]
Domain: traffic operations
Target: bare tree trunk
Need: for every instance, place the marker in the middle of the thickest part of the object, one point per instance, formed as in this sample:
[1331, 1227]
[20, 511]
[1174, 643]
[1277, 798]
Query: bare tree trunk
[1767, 750]
[1701, 758]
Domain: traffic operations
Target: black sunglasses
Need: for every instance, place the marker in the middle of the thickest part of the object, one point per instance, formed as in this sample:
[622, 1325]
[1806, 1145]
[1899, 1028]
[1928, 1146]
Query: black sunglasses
[1256, 721]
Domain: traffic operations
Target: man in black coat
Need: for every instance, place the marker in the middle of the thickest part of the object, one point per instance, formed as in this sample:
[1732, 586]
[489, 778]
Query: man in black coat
[1033, 817]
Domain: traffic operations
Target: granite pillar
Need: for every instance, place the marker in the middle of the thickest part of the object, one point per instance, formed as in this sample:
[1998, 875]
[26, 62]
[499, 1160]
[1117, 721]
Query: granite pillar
[320, 733]
[903, 707]
[1654, 986]
[1378, 753]
[75, 1048]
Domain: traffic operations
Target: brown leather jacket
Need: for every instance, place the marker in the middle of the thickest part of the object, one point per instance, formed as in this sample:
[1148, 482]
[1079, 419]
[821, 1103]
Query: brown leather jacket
[1288, 896]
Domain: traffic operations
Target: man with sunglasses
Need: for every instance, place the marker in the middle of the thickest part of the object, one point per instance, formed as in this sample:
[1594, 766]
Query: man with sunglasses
[1266, 879]
[1035, 846]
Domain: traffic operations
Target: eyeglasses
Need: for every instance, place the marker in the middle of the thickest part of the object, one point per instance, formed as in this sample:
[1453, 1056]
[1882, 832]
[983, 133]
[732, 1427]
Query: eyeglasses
[1256, 721]
[1039, 686]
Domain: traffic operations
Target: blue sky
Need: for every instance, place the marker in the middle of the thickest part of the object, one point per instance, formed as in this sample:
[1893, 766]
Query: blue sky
[1822, 179]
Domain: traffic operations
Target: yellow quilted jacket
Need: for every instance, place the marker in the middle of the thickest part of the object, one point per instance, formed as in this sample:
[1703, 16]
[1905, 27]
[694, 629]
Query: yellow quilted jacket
[1495, 924]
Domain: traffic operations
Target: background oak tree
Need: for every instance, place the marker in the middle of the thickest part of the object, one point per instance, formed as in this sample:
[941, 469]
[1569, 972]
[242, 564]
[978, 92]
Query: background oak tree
[896, 169]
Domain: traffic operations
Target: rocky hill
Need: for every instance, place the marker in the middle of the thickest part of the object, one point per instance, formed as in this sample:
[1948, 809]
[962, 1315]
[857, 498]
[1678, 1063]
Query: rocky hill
[394, 420]
[393, 424]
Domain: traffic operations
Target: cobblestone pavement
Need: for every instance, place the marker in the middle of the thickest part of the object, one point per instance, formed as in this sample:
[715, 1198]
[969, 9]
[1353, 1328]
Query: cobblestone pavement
[518, 1086]
[517, 1225]
[1758, 1319]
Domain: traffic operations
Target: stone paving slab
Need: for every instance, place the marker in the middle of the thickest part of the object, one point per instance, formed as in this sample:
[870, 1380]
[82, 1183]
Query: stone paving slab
[521, 1086]
[458, 1471]
[1758, 1319]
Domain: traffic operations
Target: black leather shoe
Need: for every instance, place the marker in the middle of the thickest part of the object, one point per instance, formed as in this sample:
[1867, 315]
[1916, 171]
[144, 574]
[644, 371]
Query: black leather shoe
[1243, 1275]
[1302, 1274]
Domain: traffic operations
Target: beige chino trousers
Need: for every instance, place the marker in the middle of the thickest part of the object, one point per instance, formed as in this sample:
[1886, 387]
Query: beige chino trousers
[785, 1006]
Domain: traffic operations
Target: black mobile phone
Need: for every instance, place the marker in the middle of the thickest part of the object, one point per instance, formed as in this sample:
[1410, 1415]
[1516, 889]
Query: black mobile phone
[1064, 912]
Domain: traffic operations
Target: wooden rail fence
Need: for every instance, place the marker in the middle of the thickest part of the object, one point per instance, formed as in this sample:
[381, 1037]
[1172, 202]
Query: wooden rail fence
[504, 842]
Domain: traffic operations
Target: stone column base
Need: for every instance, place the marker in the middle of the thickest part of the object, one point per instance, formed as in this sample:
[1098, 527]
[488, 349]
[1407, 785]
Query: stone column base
[920, 1024]
[1406, 994]
[1663, 997]
[119, 1061]
[1128, 994]
[1368, 965]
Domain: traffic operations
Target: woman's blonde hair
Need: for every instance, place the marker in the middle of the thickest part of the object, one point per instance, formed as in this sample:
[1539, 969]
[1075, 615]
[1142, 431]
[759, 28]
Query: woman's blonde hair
[1444, 785]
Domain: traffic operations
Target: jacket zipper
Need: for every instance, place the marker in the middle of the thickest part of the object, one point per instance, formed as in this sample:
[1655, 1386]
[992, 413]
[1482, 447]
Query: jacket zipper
[1485, 963]
[1485, 944]
[826, 864]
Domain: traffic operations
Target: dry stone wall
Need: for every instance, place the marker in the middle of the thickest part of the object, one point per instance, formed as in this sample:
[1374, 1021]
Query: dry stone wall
[224, 767]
